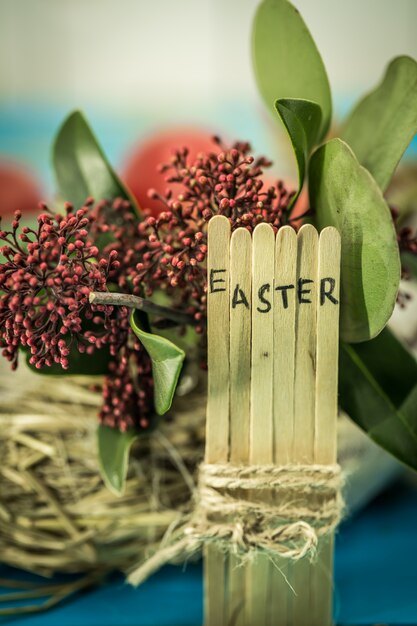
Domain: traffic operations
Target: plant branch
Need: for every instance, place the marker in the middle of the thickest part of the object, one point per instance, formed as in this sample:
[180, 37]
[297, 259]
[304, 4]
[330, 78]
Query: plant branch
[136, 302]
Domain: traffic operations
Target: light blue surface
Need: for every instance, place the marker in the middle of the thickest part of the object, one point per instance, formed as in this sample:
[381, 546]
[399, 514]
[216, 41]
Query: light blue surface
[27, 131]
[375, 572]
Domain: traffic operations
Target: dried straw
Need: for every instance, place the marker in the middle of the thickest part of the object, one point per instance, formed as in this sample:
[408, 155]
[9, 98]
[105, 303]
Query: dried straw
[56, 515]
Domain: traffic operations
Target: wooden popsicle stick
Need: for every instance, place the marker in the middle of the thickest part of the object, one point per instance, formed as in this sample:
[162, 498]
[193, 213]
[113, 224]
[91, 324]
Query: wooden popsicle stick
[217, 428]
[322, 584]
[305, 348]
[284, 354]
[304, 397]
[284, 343]
[325, 443]
[261, 426]
[263, 266]
[218, 331]
[240, 344]
[328, 296]
[240, 376]
[215, 609]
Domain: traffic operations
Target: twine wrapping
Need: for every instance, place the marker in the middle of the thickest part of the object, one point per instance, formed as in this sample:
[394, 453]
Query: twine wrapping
[280, 510]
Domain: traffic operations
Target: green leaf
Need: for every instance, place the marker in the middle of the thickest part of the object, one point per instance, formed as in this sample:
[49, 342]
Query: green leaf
[378, 390]
[167, 360]
[392, 365]
[286, 61]
[301, 119]
[81, 166]
[113, 453]
[382, 125]
[344, 194]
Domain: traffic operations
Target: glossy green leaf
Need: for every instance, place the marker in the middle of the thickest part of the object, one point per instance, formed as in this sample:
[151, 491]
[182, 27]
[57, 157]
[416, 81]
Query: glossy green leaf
[81, 167]
[302, 120]
[384, 122]
[378, 390]
[286, 61]
[167, 360]
[343, 194]
[113, 452]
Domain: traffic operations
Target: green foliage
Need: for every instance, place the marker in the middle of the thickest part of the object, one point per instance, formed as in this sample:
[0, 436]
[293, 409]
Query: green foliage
[81, 167]
[382, 125]
[302, 120]
[167, 360]
[378, 390]
[113, 452]
[286, 61]
[410, 263]
[344, 195]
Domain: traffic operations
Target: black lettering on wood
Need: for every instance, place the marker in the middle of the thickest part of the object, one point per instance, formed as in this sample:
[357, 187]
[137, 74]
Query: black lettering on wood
[263, 289]
[214, 280]
[284, 289]
[239, 297]
[301, 291]
[327, 293]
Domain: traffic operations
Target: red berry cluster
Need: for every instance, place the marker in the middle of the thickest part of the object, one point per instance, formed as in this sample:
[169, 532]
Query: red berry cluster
[407, 243]
[45, 282]
[174, 244]
[128, 390]
[117, 228]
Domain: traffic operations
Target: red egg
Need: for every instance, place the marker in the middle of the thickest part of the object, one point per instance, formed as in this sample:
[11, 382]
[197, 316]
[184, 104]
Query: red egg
[140, 171]
[19, 189]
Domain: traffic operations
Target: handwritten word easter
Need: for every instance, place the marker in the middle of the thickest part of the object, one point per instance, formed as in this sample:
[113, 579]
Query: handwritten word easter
[302, 291]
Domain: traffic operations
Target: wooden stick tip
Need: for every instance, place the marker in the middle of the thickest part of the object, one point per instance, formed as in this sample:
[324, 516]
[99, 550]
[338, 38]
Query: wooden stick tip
[330, 232]
[307, 230]
[219, 221]
[240, 235]
[263, 227]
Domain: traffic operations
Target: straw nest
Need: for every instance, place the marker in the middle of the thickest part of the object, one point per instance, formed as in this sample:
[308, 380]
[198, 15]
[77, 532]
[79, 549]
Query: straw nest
[56, 515]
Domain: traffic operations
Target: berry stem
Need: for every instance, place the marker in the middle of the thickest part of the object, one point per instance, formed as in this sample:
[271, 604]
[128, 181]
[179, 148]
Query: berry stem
[136, 302]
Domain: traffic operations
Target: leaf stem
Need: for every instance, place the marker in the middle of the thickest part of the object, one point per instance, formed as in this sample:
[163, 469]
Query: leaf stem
[136, 302]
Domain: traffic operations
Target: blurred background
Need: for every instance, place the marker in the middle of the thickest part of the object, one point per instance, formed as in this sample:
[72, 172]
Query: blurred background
[137, 68]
